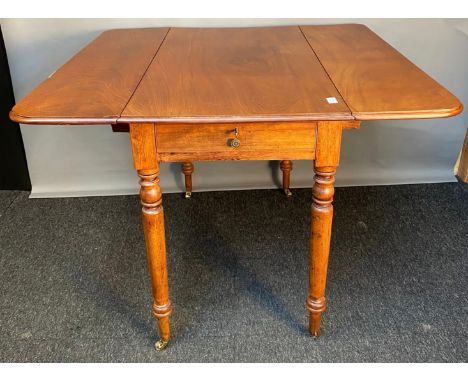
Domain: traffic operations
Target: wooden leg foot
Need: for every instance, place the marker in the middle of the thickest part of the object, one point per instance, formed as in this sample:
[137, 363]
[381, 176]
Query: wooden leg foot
[162, 314]
[187, 169]
[315, 307]
[314, 324]
[286, 168]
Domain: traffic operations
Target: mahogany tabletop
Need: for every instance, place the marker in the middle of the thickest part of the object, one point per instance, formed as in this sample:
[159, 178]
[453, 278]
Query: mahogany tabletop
[198, 75]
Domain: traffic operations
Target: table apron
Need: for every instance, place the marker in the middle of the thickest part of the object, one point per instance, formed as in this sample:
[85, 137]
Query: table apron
[253, 141]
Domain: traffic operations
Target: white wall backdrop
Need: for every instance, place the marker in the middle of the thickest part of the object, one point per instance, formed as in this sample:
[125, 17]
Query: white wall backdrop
[91, 160]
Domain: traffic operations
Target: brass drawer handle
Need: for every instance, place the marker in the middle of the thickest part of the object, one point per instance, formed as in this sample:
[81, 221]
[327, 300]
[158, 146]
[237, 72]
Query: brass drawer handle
[235, 142]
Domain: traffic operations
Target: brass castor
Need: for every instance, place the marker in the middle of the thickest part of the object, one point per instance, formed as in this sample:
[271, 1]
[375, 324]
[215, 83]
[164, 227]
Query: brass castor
[286, 167]
[187, 169]
[160, 345]
[315, 333]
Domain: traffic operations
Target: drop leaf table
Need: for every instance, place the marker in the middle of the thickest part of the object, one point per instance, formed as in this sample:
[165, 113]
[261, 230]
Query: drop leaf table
[204, 94]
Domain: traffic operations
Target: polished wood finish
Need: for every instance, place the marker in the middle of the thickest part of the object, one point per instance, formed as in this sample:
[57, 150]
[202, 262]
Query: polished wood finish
[96, 84]
[235, 75]
[355, 124]
[258, 141]
[320, 235]
[187, 169]
[286, 167]
[125, 128]
[143, 141]
[236, 94]
[153, 225]
[147, 166]
[376, 81]
[326, 162]
[328, 144]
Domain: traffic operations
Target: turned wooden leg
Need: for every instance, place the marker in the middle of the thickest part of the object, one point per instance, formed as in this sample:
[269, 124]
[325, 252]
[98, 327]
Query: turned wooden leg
[321, 223]
[187, 169]
[153, 224]
[286, 167]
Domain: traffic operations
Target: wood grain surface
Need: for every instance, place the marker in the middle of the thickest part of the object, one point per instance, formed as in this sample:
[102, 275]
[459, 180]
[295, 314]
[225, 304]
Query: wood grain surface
[258, 141]
[376, 81]
[235, 75]
[94, 86]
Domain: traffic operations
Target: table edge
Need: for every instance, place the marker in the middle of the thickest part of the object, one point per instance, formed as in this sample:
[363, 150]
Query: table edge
[238, 119]
[394, 115]
[360, 116]
[62, 120]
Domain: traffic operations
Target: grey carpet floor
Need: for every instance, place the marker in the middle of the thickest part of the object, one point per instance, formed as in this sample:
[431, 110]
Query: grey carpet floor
[74, 285]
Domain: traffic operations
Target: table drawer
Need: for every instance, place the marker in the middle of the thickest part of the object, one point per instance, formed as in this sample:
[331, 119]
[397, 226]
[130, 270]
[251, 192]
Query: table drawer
[260, 140]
